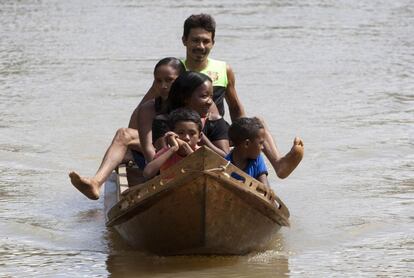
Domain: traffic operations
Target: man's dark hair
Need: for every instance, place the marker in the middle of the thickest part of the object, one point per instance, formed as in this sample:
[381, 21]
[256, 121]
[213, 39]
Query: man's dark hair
[244, 128]
[183, 88]
[184, 115]
[204, 21]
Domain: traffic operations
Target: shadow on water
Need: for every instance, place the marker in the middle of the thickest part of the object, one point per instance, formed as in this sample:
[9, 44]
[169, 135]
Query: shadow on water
[124, 261]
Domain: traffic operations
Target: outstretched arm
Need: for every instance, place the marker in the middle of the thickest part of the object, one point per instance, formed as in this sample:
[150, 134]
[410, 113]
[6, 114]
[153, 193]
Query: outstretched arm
[235, 107]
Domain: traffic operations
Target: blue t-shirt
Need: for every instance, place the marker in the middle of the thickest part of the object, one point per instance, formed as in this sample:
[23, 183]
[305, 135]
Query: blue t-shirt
[255, 167]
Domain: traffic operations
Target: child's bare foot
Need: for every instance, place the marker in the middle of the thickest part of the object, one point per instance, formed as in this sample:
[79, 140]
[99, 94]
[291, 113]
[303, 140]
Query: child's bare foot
[291, 160]
[86, 186]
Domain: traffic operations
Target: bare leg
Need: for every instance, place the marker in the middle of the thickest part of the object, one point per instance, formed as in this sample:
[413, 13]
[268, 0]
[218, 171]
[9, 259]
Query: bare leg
[90, 187]
[283, 165]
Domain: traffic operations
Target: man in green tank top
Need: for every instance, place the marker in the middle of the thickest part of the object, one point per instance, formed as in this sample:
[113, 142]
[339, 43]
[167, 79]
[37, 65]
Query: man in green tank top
[198, 38]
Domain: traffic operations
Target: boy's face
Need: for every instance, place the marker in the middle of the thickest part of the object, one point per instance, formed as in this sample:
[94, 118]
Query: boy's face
[188, 132]
[255, 146]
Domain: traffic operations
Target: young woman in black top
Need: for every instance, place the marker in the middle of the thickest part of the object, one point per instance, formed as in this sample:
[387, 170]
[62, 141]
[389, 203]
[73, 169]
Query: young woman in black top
[194, 90]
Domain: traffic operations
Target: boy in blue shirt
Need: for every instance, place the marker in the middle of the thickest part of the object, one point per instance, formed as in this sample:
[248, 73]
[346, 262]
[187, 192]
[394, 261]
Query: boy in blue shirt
[248, 137]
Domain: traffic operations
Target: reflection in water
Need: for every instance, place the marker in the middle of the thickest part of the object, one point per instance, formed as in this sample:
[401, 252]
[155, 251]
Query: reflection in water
[123, 261]
[91, 215]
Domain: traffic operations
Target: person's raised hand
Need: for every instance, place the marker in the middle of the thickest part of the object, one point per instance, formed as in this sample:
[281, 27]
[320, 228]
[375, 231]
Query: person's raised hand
[171, 138]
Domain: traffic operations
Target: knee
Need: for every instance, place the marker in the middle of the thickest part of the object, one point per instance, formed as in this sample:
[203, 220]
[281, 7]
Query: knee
[123, 136]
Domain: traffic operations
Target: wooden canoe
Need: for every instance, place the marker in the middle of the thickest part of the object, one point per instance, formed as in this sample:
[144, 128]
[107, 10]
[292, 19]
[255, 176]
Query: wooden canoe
[195, 207]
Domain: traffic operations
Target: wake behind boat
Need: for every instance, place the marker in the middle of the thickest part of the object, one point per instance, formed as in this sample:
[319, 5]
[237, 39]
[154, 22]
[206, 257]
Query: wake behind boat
[195, 207]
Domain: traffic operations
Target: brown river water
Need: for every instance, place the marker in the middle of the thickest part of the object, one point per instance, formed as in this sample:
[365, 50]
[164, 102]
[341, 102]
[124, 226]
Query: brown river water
[340, 74]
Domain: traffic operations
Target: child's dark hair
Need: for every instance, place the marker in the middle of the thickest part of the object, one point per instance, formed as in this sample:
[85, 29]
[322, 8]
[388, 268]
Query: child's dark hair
[172, 62]
[183, 88]
[204, 21]
[184, 115]
[243, 129]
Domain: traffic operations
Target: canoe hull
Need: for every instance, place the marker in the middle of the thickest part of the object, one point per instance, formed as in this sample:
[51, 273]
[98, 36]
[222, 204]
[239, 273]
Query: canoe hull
[196, 213]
